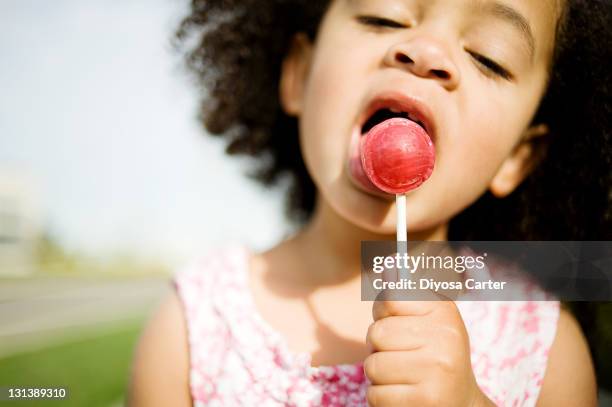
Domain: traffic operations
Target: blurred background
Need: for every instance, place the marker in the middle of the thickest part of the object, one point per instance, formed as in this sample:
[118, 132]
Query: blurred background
[107, 187]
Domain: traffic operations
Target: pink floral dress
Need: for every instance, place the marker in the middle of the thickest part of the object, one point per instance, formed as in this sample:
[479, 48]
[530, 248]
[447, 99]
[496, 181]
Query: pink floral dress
[237, 359]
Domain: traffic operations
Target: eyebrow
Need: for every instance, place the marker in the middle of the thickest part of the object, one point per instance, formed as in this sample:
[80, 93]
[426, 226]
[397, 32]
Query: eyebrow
[512, 16]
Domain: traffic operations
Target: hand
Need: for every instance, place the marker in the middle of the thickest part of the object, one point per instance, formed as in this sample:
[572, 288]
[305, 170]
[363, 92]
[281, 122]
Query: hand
[421, 356]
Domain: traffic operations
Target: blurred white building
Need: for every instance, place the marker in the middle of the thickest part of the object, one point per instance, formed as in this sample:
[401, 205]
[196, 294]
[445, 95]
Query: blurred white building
[19, 223]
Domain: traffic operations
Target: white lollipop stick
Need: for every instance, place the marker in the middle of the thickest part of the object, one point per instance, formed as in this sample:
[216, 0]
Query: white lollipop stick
[402, 233]
[400, 202]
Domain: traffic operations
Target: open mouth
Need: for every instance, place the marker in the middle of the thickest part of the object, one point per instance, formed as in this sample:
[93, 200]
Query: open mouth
[397, 105]
[383, 114]
[385, 106]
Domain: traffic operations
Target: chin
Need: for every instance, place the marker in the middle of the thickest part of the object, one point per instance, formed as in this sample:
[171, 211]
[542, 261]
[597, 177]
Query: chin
[376, 215]
[373, 214]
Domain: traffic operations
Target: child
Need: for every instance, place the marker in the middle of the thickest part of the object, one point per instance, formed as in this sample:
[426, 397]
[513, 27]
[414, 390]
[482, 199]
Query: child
[515, 94]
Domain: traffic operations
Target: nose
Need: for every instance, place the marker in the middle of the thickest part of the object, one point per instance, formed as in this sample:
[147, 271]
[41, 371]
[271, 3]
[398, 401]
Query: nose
[427, 58]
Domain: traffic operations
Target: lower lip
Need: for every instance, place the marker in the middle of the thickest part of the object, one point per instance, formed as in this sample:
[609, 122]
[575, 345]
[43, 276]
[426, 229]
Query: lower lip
[355, 170]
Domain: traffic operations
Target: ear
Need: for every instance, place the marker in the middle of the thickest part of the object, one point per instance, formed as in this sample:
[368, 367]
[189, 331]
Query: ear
[294, 73]
[525, 156]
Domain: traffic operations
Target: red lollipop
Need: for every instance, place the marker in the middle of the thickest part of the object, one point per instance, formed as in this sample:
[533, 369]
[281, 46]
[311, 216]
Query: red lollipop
[397, 155]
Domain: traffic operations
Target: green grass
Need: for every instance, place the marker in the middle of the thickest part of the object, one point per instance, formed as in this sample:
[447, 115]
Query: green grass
[95, 370]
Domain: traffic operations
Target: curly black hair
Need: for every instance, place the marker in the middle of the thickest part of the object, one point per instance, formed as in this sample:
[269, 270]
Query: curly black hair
[236, 56]
[237, 61]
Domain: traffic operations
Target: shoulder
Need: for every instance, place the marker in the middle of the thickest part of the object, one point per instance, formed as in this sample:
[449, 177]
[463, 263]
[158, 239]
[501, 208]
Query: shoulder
[177, 340]
[570, 376]
[160, 371]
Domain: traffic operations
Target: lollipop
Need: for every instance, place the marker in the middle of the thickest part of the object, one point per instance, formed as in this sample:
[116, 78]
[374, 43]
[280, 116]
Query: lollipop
[397, 155]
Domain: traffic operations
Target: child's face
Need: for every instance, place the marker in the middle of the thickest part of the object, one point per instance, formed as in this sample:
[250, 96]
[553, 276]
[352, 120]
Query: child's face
[478, 69]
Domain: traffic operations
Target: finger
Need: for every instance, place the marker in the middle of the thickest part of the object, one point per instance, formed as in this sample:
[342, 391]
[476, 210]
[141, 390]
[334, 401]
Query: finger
[430, 301]
[383, 309]
[396, 367]
[399, 333]
[391, 395]
[413, 295]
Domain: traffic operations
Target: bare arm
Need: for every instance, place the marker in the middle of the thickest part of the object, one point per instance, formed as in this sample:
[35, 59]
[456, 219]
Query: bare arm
[570, 377]
[160, 371]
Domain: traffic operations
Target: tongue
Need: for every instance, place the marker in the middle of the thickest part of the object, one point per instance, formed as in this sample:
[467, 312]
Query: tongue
[397, 155]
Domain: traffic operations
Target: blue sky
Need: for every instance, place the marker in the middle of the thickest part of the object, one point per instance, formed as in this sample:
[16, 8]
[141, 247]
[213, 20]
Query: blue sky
[98, 114]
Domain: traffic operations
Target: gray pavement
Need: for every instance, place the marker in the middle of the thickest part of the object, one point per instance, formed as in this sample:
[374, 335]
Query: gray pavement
[41, 311]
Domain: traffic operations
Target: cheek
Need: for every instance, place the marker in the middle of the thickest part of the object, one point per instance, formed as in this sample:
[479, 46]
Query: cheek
[487, 132]
[478, 139]
[327, 118]
[494, 125]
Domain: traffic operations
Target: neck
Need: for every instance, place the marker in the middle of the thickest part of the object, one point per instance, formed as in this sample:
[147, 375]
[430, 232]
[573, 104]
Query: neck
[337, 244]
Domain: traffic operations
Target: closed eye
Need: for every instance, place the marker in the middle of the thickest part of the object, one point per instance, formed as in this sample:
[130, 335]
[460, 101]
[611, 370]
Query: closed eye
[375, 21]
[491, 66]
